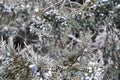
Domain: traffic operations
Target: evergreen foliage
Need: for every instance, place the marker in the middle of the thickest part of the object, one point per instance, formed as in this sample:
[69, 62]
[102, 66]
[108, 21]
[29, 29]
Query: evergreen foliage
[59, 40]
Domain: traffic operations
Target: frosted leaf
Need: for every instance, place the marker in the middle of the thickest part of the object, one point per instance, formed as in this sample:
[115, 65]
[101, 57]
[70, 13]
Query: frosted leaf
[87, 1]
[38, 73]
[102, 14]
[91, 63]
[8, 54]
[99, 69]
[7, 9]
[31, 66]
[111, 12]
[100, 38]
[38, 18]
[104, 0]
[96, 78]
[41, 79]
[27, 6]
[87, 78]
[78, 58]
[36, 9]
[90, 69]
[22, 6]
[117, 7]
[94, 6]
[49, 73]
[6, 28]
[86, 74]
[85, 50]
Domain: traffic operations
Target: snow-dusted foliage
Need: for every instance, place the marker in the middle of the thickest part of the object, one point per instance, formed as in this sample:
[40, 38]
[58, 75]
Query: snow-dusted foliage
[59, 40]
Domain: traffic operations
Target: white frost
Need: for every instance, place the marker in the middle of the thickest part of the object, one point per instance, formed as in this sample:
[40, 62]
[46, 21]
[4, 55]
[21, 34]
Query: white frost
[117, 7]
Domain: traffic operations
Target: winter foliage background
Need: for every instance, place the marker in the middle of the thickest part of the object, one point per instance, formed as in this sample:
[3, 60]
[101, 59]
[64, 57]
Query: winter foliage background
[59, 40]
